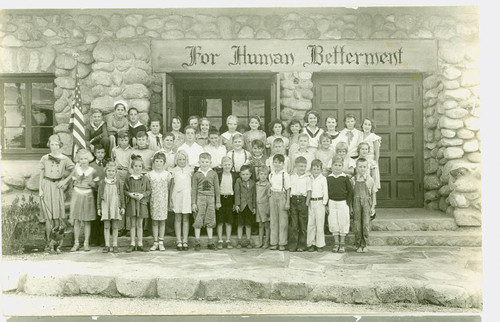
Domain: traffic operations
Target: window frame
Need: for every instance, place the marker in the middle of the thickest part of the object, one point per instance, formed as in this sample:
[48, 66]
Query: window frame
[28, 152]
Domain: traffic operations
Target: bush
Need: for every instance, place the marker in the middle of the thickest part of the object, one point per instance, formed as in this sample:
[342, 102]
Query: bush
[19, 224]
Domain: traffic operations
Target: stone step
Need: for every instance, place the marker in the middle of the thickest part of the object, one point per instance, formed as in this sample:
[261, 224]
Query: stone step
[412, 219]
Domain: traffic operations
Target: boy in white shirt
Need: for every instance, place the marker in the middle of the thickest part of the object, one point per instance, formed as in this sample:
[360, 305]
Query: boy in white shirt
[317, 208]
[279, 203]
[300, 194]
[216, 150]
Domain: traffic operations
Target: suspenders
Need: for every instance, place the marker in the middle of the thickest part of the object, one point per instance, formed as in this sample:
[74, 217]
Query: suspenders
[282, 181]
[245, 153]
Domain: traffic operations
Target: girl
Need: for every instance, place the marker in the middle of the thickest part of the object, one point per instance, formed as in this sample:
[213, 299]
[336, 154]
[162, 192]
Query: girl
[363, 152]
[255, 133]
[276, 128]
[138, 190]
[134, 126]
[348, 163]
[82, 199]
[192, 148]
[180, 197]
[117, 122]
[312, 130]
[373, 142]
[54, 168]
[155, 137]
[227, 137]
[325, 151]
[202, 135]
[238, 155]
[331, 130]
[294, 129]
[160, 181]
[262, 192]
[176, 126]
[110, 205]
[194, 121]
[351, 135]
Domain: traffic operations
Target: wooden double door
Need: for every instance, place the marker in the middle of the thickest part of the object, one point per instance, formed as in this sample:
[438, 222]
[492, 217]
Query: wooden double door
[394, 102]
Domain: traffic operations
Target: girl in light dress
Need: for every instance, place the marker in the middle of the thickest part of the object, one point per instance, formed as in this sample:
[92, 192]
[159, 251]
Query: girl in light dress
[180, 197]
[179, 137]
[312, 130]
[373, 141]
[160, 180]
[227, 137]
[111, 206]
[294, 128]
[255, 133]
[276, 128]
[202, 135]
[82, 207]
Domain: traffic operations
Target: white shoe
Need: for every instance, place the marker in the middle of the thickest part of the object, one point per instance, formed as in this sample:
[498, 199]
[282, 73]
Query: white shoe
[161, 246]
[154, 247]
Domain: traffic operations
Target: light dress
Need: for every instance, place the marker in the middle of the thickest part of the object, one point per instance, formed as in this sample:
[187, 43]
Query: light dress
[370, 140]
[159, 194]
[181, 192]
[111, 196]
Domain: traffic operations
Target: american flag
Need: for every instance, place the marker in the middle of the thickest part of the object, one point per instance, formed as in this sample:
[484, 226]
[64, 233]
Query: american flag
[77, 121]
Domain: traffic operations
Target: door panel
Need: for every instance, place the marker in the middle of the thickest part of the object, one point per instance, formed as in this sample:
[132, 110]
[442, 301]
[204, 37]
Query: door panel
[394, 103]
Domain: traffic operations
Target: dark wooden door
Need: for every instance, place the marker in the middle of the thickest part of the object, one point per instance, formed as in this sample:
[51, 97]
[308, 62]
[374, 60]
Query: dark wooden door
[394, 102]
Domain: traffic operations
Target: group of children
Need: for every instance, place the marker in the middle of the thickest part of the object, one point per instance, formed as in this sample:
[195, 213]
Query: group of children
[286, 182]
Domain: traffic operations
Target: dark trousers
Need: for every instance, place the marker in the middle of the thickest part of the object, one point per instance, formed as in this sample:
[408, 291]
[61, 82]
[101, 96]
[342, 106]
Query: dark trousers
[97, 229]
[297, 223]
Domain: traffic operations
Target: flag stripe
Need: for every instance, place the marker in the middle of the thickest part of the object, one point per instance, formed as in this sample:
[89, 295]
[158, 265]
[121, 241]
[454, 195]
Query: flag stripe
[77, 120]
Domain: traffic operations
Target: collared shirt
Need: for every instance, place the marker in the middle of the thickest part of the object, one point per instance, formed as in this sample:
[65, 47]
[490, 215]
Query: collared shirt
[339, 187]
[279, 181]
[155, 141]
[96, 127]
[300, 184]
[309, 156]
[194, 150]
[357, 137]
[204, 172]
[239, 158]
[122, 156]
[217, 153]
[226, 184]
[319, 188]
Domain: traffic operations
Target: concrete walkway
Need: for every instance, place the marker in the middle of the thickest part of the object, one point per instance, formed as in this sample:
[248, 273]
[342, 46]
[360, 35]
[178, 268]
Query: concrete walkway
[447, 276]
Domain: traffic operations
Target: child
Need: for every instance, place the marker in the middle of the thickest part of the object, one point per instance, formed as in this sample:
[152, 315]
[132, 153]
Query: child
[192, 148]
[168, 150]
[111, 206]
[227, 179]
[176, 126]
[238, 155]
[373, 142]
[227, 137]
[97, 226]
[55, 167]
[348, 163]
[160, 180]
[363, 204]
[300, 195]
[262, 192]
[138, 190]
[180, 198]
[303, 151]
[294, 129]
[351, 136]
[216, 150]
[278, 147]
[82, 206]
[154, 135]
[331, 131]
[276, 129]
[143, 151]
[317, 208]
[202, 135]
[340, 199]
[258, 159]
[193, 121]
[134, 126]
[279, 203]
[325, 152]
[96, 132]
[117, 122]
[255, 132]
[244, 204]
[205, 199]
[121, 155]
[363, 152]
[312, 130]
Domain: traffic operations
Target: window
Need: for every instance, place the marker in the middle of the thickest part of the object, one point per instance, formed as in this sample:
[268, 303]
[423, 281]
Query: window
[27, 113]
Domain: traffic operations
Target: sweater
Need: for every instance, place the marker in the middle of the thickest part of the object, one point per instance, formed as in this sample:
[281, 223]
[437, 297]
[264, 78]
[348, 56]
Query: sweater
[339, 188]
[207, 185]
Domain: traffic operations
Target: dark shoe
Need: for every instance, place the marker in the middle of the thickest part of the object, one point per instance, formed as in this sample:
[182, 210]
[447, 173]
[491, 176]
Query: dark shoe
[292, 250]
[141, 249]
[239, 244]
[249, 244]
[319, 249]
[179, 246]
[220, 244]
[211, 246]
[105, 249]
[373, 216]
[312, 248]
[115, 249]
[273, 247]
[197, 247]
[185, 246]
[131, 248]
[228, 244]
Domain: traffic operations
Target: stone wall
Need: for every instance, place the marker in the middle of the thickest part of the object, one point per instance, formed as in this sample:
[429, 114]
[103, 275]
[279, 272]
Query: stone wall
[114, 62]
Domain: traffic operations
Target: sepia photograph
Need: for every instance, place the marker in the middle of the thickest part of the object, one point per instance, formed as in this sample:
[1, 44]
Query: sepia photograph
[181, 161]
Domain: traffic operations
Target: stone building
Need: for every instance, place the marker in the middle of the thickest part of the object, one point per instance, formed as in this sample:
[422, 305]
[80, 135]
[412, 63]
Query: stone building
[415, 71]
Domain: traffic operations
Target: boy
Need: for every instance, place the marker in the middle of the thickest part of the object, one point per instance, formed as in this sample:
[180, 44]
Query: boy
[317, 208]
[96, 132]
[300, 195]
[278, 147]
[143, 151]
[168, 150]
[239, 155]
[97, 226]
[340, 198]
[303, 151]
[244, 204]
[154, 135]
[205, 198]
[134, 126]
[363, 204]
[227, 180]
[258, 158]
[348, 164]
[193, 149]
[279, 203]
[216, 150]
